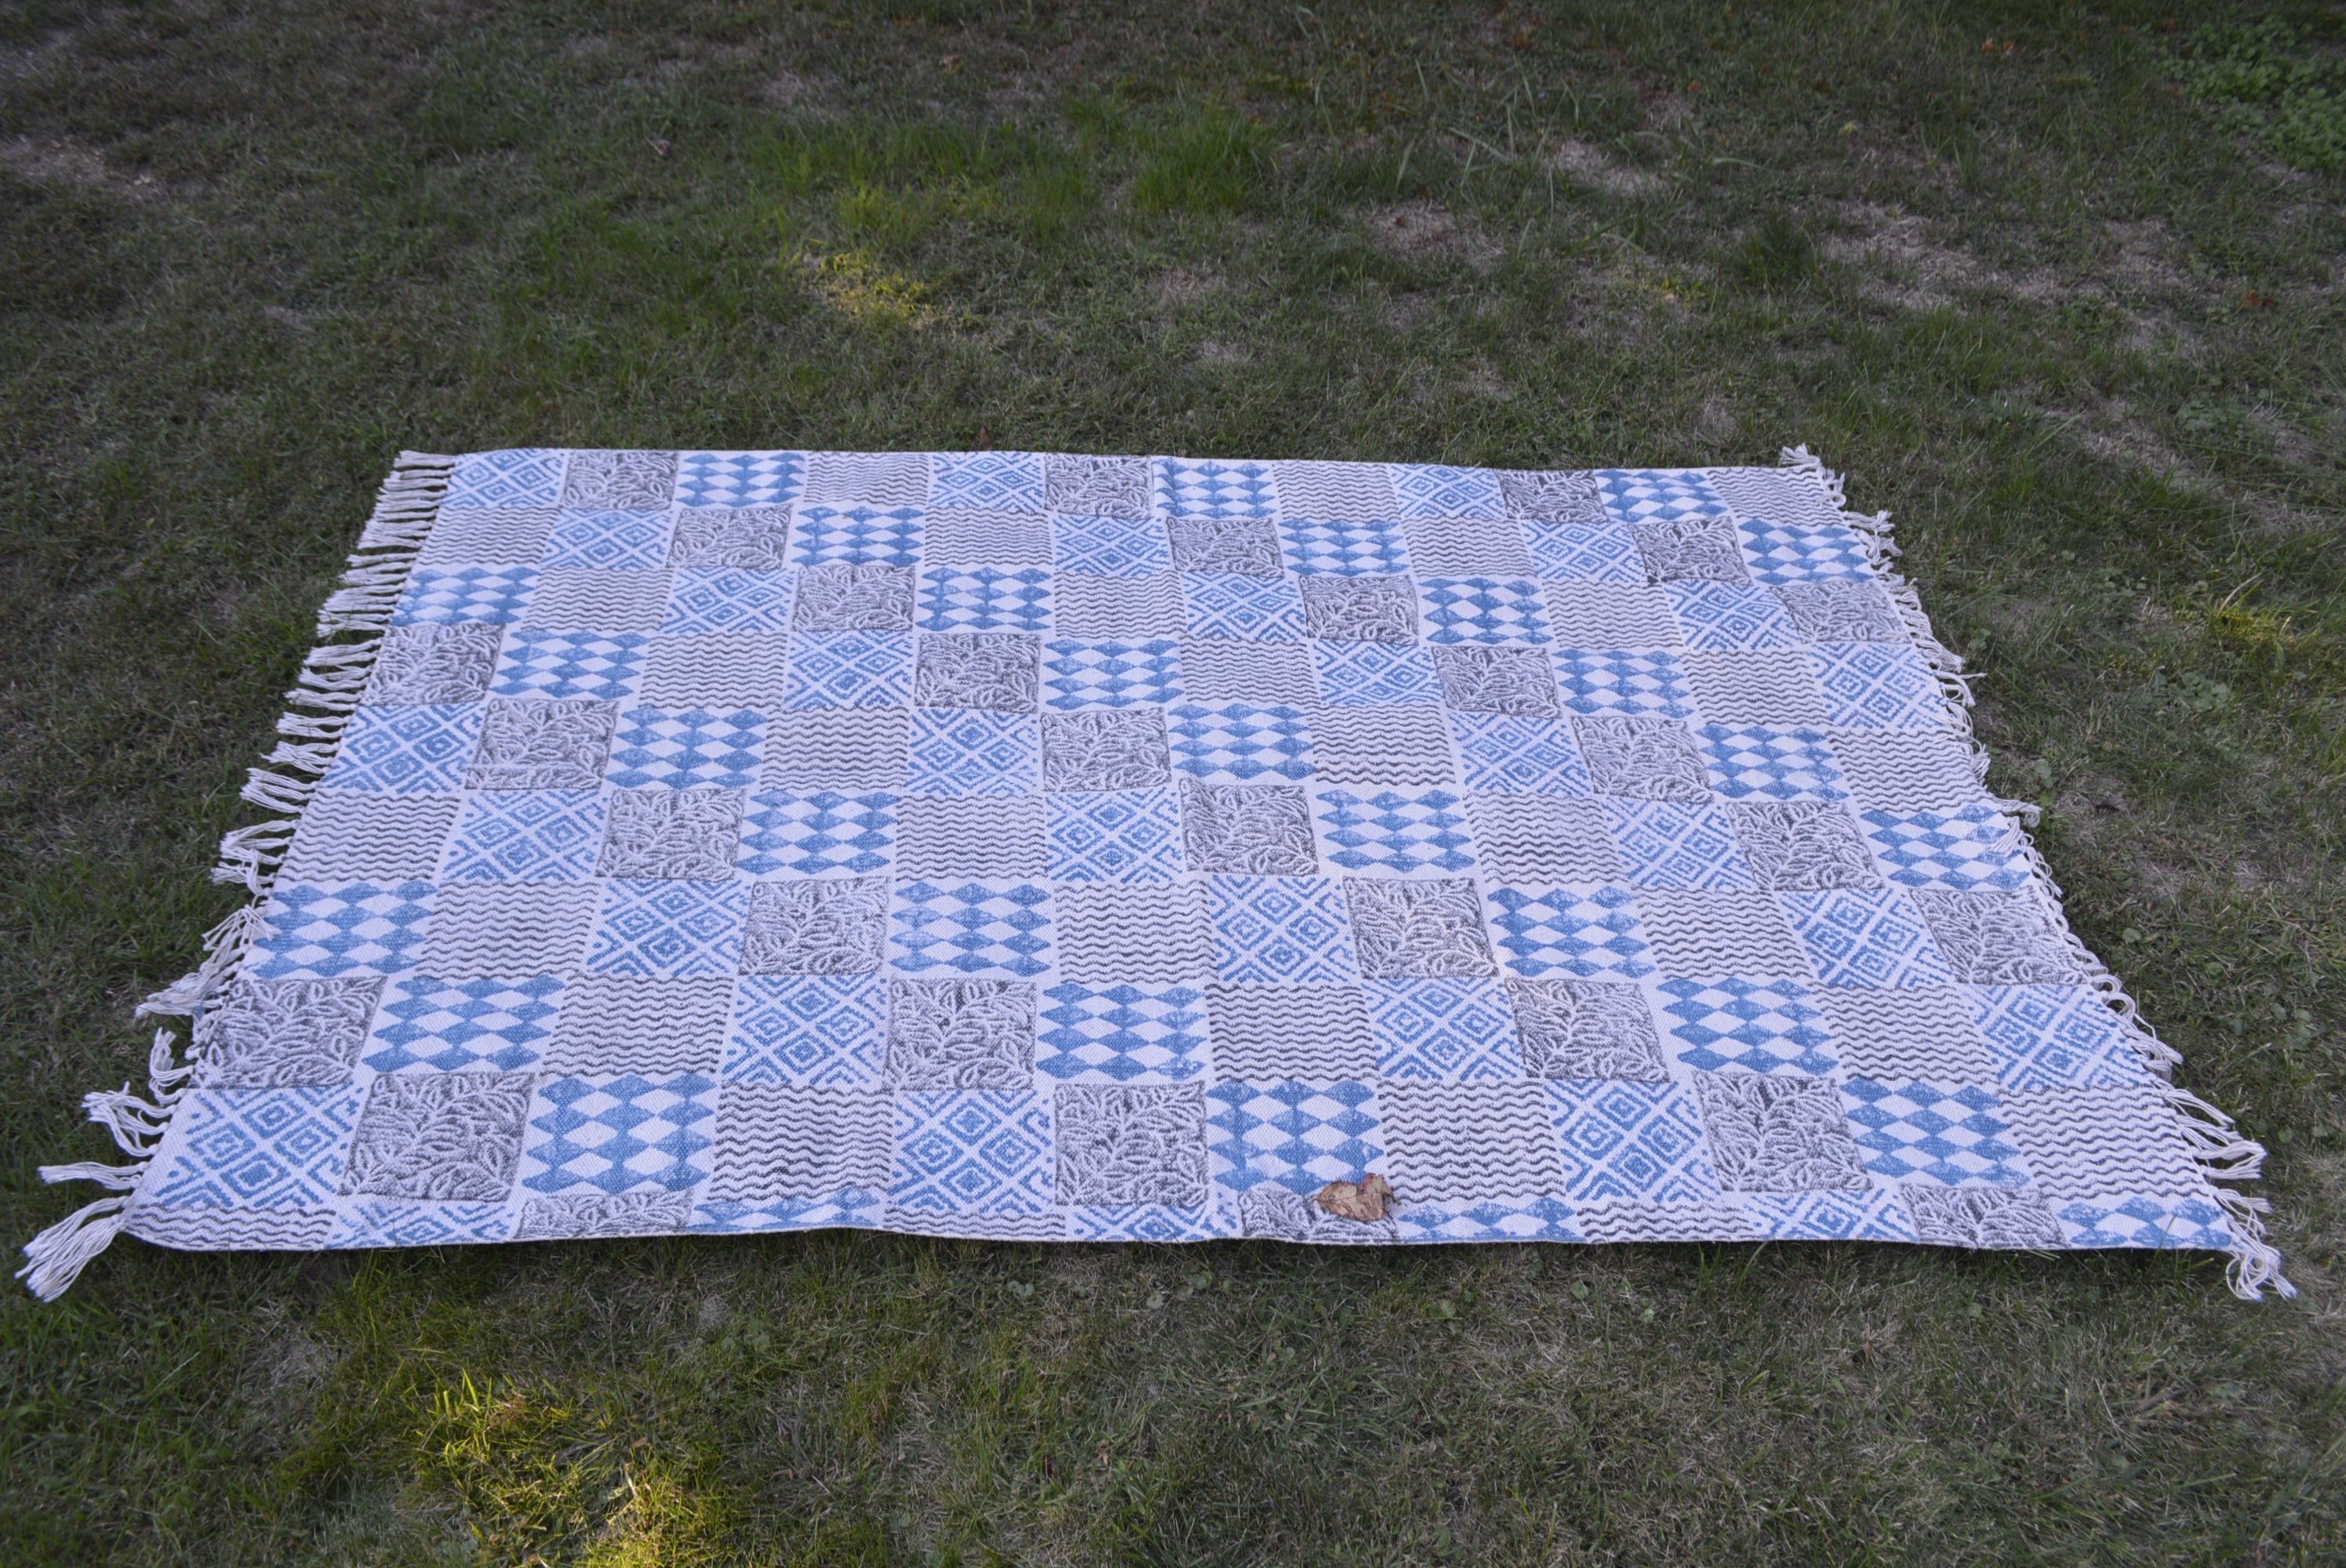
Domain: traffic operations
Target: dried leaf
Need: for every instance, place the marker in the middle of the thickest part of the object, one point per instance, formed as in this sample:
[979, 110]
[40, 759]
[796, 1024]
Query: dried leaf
[1365, 1199]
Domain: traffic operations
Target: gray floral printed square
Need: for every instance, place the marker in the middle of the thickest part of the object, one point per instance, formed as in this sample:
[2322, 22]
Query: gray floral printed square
[1418, 930]
[1364, 609]
[603, 1214]
[1120, 749]
[1991, 937]
[1248, 545]
[529, 744]
[279, 1033]
[1982, 1217]
[823, 927]
[1797, 845]
[1641, 759]
[854, 596]
[1585, 1029]
[678, 834]
[1552, 498]
[436, 662]
[1096, 486]
[1690, 549]
[1283, 1216]
[1496, 680]
[1122, 1145]
[620, 480]
[961, 1034]
[448, 1136]
[756, 538]
[1777, 1135]
[1247, 830]
[998, 670]
[1851, 610]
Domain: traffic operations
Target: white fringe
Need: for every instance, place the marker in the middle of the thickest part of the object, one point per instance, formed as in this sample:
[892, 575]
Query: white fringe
[333, 679]
[2216, 1142]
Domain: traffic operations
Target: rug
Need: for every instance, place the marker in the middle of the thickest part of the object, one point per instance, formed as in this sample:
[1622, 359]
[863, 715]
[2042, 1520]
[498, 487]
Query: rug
[1117, 848]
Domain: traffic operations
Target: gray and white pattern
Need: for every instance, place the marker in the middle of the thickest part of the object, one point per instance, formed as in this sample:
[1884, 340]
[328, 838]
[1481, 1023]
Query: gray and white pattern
[1980, 1216]
[753, 538]
[436, 662]
[1496, 679]
[1131, 1145]
[816, 927]
[453, 1137]
[619, 481]
[1277, 1215]
[1850, 610]
[1096, 486]
[543, 744]
[603, 1214]
[1418, 930]
[683, 834]
[1777, 1135]
[274, 1034]
[1800, 845]
[1360, 608]
[854, 596]
[1570, 497]
[998, 670]
[961, 1034]
[1585, 1029]
[1992, 937]
[1641, 759]
[1118, 749]
[1247, 545]
[1254, 829]
[1690, 549]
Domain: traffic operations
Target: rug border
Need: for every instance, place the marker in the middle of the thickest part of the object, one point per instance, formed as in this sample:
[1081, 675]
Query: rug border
[356, 618]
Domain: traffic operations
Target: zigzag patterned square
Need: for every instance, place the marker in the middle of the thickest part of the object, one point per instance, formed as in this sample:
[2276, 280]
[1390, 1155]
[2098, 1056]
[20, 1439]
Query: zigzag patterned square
[1773, 1026]
[1877, 685]
[969, 536]
[1360, 674]
[877, 478]
[986, 599]
[1123, 1034]
[1445, 1031]
[1403, 744]
[669, 928]
[1346, 491]
[1866, 936]
[785, 833]
[816, 1031]
[1403, 832]
[1975, 846]
[969, 751]
[1296, 1135]
[352, 927]
[1466, 1143]
[808, 1144]
[1630, 1140]
[1111, 546]
[571, 664]
[1345, 548]
[739, 478]
[521, 476]
[1114, 836]
[973, 1152]
[406, 750]
[619, 1135]
[1677, 844]
[861, 534]
[584, 599]
[1238, 741]
[1432, 490]
[1584, 931]
[1750, 761]
[1469, 547]
[1919, 1131]
[611, 540]
[1493, 610]
[1511, 754]
[656, 748]
[1209, 489]
[995, 928]
[1651, 685]
[500, 594]
[1586, 553]
[257, 1148]
[716, 670]
[1011, 481]
[1232, 604]
[1281, 930]
[2054, 1037]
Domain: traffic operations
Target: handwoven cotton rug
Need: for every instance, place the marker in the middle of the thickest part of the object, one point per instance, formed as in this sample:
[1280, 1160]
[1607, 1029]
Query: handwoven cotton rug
[998, 844]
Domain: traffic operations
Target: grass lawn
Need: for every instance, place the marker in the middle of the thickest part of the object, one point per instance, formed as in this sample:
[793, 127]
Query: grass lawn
[2057, 284]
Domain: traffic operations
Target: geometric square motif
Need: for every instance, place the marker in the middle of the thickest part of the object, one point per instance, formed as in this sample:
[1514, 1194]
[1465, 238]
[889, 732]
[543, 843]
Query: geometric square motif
[1731, 616]
[669, 928]
[975, 928]
[517, 476]
[1435, 490]
[1297, 1136]
[261, 1149]
[1781, 552]
[526, 836]
[849, 670]
[1345, 548]
[728, 599]
[1447, 1030]
[1112, 546]
[1238, 740]
[1671, 844]
[1281, 930]
[637, 540]
[1515, 754]
[1187, 488]
[1370, 674]
[1974, 847]
[465, 593]
[1875, 1214]
[1114, 836]
[1642, 494]
[1866, 936]
[1122, 1035]
[972, 1152]
[2196, 1223]
[668, 750]
[859, 534]
[1919, 1131]
[2054, 1037]
[407, 751]
[619, 1135]
[1403, 832]
[739, 478]
[786, 834]
[1752, 760]
[805, 1030]
[968, 751]
[1632, 1140]
[1877, 685]
[1231, 605]
[450, 1025]
[1585, 932]
[1111, 673]
[1011, 481]
[1754, 1026]
[1586, 553]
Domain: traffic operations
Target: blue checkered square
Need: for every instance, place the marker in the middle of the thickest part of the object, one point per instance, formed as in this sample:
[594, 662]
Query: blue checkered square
[604, 665]
[810, 835]
[1345, 548]
[739, 478]
[1494, 610]
[889, 537]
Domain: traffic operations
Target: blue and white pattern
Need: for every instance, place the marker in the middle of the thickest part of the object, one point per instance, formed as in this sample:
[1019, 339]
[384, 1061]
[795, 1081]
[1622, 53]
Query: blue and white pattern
[691, 905]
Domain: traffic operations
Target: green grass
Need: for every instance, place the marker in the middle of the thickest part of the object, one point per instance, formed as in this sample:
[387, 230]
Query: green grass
[2070, 309]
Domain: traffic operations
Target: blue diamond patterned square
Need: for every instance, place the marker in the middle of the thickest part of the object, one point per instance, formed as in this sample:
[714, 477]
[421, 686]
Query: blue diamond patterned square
[634, 541]
[526, 836]
[522, 476]
[1866, 936]
[1346, 548]
[1657, 495]
[1289, 931]
[806, 1031]
[1633, 1141]
[1651, 683]
[499, 594]
[669, 929]
[1226, 741]
[809, 835]
[1582, 932]
[685, 749]
[1374, 675]
[1450, 1031]
[849, 670]
[1586, 553]
[972, 751]
[1974, 847]
[1753, 761]
[1493, 610]
[995, 481]
[986, 599]
[1210, 489]
[310, 931]
[454, 1026]
[1731, 616]
[2054, 1037]
[1077, 675]
[850, 1208]
[859, 534]
[1674, 844]
[1301, 1136]
[605, 664]
[1432, 490]
[992, 928]
[1510, 753]
[619, 1135]
[1877, 685]
[259, 1148]
[1954, 1134]
[407, 751]
[1111, 546]
[739, 478]
[2193, 1222]
[1123, 1034]
[1533, 1220]
[1114, 836]
[1782, 552]
[727, 599]
[1402, 831]
[1878, 1213]
[1229, 605]
[975, 1152]
[1720, 1025]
